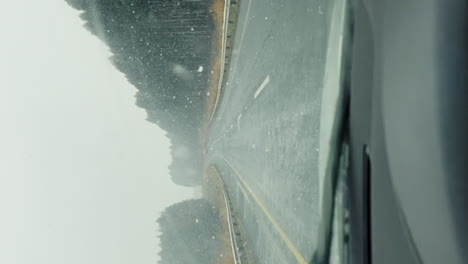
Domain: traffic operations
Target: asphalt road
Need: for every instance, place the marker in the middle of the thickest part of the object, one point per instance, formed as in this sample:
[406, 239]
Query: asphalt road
[264, 139]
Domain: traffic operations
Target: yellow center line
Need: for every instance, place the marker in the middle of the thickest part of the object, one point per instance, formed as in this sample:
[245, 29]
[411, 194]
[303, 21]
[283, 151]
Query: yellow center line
[289, 244]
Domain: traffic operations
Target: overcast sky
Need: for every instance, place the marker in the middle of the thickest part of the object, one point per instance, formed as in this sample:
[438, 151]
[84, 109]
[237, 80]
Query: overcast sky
[83, 176]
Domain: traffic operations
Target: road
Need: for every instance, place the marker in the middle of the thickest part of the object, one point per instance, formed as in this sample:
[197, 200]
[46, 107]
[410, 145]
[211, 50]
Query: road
[264, 139]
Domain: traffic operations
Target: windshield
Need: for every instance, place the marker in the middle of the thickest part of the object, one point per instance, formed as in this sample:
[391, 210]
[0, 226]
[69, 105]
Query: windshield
[167, 131]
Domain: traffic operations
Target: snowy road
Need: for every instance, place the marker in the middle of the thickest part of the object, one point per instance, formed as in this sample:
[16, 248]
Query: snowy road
[265, 137]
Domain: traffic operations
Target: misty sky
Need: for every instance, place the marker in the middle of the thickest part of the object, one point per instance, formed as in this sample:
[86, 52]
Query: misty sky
[83, 176]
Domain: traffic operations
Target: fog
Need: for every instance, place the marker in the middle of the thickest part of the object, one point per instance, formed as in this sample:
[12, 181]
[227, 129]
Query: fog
[83, 175]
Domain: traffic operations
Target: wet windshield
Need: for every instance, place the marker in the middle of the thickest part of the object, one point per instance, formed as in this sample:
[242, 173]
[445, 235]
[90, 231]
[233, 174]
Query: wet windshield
[166, 131]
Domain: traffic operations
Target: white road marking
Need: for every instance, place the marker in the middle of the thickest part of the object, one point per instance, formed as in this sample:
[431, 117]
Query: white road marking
[216, 141]
[300, 259]
[234, 68]
[262, 86]
[238, 121]
[247, 197]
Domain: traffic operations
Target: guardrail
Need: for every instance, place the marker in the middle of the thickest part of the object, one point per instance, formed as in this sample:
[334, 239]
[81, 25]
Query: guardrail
[232, 234]
[238, 248]
[230, 17]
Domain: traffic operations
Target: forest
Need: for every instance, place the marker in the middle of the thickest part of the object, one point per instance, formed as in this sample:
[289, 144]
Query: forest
[189, 232]
[164, 48]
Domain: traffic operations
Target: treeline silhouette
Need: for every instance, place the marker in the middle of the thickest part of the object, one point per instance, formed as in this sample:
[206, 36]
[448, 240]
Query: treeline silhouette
[189, 233]
[164, 48]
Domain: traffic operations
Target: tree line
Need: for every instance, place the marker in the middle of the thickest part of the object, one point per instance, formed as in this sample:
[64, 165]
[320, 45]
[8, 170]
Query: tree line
[164, 48]
[189, 233]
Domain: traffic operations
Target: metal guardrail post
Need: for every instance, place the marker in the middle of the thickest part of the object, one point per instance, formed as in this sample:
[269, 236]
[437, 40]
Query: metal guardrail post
[238, 246]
